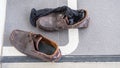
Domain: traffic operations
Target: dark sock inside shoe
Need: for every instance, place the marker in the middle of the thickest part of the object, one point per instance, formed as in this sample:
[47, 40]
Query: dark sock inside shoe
[78, 17]
[46, 48]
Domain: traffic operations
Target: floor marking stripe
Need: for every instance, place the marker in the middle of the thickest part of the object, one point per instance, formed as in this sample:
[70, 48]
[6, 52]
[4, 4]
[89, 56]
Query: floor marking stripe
[63, 65]
[72, 4]
[73, 34]
[72, 44]
[2, 21]
[11, 51]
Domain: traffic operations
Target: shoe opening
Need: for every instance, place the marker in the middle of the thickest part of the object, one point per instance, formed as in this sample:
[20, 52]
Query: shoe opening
[76, 18]
[46, 48]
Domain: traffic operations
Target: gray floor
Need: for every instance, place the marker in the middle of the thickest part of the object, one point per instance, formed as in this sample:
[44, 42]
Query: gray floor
[103, 35]
[101, 38]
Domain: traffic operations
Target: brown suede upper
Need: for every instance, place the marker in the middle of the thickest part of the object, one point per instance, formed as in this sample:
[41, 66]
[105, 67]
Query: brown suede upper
[53, 22]
[27, 43]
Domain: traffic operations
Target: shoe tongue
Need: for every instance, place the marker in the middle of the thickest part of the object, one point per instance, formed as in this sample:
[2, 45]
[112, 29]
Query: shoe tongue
[37, 42]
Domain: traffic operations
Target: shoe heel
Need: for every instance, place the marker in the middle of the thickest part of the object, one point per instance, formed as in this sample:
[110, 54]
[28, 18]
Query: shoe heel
[84, 24]
[32, 17]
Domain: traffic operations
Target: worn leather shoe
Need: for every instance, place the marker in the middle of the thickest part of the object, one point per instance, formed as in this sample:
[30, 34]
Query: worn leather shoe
[35, 45]
[58, 21]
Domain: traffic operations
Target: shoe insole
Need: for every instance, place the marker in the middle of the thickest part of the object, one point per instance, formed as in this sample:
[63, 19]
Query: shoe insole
[46, 48]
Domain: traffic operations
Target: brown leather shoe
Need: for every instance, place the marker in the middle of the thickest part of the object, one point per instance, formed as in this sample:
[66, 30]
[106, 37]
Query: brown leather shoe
[35, 45]
[57, 21]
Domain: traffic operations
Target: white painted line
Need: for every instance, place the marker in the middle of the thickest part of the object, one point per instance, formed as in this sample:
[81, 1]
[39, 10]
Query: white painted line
[2, 21]
[63, 65]
[73, 34]
[72, 4]
[11, 51]
[72, 44]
